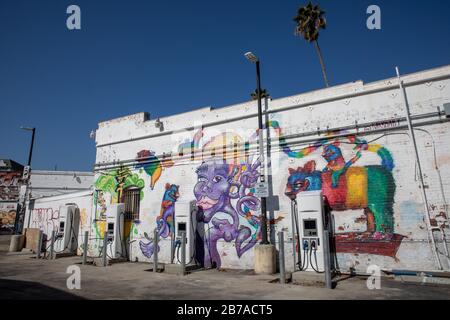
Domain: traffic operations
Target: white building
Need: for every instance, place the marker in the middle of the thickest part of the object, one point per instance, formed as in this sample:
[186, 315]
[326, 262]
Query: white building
[45, 183]
[350, 141]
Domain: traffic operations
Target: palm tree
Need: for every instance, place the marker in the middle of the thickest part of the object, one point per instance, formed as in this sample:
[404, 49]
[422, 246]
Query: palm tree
[310, 19]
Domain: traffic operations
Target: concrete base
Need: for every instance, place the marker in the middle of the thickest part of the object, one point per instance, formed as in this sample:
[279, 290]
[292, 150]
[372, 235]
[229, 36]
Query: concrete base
[173, 268]
[17, 243]
[276, 279]
[98, 262]
[32, 238]
[159, 268]
[306, 278]
[265, 259]
[64, 255]
[118, 260]
[21, 253]
[423, 280]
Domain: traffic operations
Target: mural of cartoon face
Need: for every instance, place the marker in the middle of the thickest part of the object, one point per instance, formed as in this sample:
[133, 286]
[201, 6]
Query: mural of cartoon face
[219, 183]
[302, 179]
[333, 155]
[171, 193]
[213, 187]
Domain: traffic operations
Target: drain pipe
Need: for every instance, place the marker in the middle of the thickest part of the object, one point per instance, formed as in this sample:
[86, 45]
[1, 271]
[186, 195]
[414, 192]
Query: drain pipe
[422, 185]
[294, 238]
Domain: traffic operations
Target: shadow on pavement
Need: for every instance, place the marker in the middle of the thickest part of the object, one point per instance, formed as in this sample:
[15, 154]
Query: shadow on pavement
[27, 290]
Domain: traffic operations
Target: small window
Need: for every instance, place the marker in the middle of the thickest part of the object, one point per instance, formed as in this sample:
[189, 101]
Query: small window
[132, 198]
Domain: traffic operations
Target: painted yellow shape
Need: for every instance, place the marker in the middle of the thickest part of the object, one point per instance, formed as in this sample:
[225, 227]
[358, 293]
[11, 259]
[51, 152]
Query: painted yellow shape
[128, 226]
[224, 143]
[83, 217]
[101, 227]
[155, 176]
[374, 147]
[356, 188]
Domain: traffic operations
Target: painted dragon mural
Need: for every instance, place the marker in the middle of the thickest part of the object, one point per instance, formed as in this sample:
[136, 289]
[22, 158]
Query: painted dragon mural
[230, 212]
[165, 221]
[348, 187]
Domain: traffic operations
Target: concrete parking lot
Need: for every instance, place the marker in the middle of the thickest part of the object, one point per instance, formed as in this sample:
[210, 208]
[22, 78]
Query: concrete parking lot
[24, 277]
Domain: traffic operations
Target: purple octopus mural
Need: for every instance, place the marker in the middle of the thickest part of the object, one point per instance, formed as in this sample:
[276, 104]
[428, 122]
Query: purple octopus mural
[219, 186]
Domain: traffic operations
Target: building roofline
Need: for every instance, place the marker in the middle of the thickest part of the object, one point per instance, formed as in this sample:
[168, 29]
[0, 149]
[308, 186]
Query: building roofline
[330, 93]
[62, 173]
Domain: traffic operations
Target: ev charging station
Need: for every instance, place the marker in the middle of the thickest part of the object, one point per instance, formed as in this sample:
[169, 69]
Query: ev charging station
[308, 223]
[310, 212]
[67, 233]
[115, 230]
[185, 220]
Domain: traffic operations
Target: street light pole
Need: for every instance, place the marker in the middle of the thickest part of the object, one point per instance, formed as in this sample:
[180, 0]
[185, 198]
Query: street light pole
[31, 147]
[251, 57]
[20, 217]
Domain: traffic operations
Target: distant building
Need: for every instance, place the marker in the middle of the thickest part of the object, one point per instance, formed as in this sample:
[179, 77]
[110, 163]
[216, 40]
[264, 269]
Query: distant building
[42, 184]
[45, 183]
[10, 182]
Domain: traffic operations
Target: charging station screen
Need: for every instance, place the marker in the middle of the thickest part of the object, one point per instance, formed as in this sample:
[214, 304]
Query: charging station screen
[181, 227]
[61, 226]
[310, 228]
[310, 224]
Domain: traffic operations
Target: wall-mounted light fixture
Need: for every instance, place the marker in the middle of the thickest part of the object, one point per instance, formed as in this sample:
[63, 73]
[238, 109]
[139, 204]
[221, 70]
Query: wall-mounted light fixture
[447, 109]
[159, 124]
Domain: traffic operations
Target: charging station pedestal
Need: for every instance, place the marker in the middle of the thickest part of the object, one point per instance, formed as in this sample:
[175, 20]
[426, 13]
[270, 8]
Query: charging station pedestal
[185, 221]
[66, 241]
[115, 231]
[310, 213]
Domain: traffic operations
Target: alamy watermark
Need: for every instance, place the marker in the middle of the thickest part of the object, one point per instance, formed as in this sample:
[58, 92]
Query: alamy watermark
[73, 21]
[374, 280]
[374, 20]
[74, 280]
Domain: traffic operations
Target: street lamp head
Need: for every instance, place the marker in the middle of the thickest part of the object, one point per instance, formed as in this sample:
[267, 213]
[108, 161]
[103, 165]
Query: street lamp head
[27, 128]
[251, 57]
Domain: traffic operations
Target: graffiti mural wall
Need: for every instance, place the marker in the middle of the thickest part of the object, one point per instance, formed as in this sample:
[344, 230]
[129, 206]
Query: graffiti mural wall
[10, 185]
[8, 212]
[44, 214]
[356, 150]
[10, 182]
[349, 186]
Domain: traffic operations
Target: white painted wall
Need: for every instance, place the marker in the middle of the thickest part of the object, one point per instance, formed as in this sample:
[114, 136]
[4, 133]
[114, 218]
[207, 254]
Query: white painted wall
[44, 183]
[354, 105]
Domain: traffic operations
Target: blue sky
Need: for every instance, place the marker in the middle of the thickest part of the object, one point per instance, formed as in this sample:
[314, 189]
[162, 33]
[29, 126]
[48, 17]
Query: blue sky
[167, 57]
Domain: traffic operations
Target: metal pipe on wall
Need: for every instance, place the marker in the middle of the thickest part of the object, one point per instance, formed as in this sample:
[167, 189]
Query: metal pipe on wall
[294, 238]
[155, 251]
[131, 162]
[419, 167]
[287, 108]
[281, 257]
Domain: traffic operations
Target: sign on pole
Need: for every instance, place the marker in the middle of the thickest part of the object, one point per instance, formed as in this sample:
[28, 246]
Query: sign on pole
[261, 190]
[26, 173]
